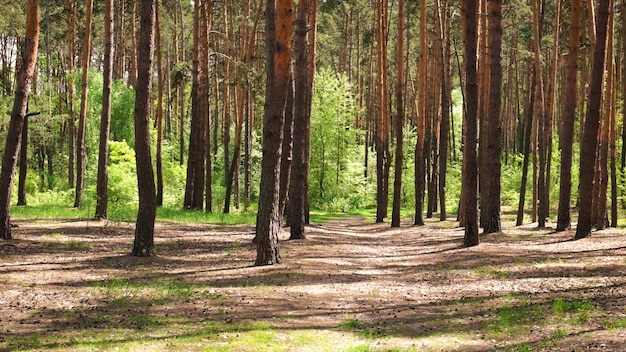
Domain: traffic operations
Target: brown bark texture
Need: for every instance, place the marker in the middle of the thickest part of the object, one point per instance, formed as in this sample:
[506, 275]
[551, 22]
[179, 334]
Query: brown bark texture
[18, 114]
[81, 147]
[279, 27]
[569, 117]
[469, 14]
[299, 185]
[592, 124]
[105, 117]
[399, 123]
[144, 228]
[493, 148]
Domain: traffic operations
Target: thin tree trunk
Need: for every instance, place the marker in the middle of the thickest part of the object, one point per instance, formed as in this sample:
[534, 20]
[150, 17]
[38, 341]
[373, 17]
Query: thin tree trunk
[132, 69]
[542, 118]
[71, 90]
[527, 141]
[18, 114]
[81, 146]
[102, 184]
[382, 116]
[287, 149]
[159, 107]
[119, 64]
[21, 184]
[400, 115]
[144, 229]
[602, 172]
[445, 108]
[312, 63]
[420, 163]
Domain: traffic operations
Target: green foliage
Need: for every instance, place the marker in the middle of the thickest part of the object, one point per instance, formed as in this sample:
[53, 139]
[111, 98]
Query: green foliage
[122, 107]
[512, 320]
[337, 181]
[122, 184]
[577, 311]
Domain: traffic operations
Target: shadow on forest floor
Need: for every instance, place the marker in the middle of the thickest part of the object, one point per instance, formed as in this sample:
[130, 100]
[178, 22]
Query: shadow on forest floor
[351, 285]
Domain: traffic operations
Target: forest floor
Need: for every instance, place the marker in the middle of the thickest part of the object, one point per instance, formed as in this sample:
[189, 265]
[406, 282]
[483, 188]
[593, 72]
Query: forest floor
[350, 286]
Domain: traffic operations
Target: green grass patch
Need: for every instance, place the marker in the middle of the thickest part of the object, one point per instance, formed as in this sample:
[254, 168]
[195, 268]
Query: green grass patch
[515, 319]
[573, 311]
[487, 270]
[352, 324]
[124, 291]
[557, 335]
[615, 324]
[199, 216]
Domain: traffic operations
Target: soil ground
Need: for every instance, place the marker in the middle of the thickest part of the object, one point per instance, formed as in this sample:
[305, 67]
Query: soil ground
[365, 285]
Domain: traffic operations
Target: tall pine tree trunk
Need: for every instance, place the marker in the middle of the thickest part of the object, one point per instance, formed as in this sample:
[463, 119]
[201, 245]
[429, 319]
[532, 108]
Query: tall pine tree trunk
[102, 184]
[279, 24]
[592, 123]
[469, 14]
[493, 149]
[144, 228]
[298, 187]
[159, 108]
[18, 114]
[420, 162]
[399, 123]
[71, 89]
[569, 117]
[382, 115]
[81, 146]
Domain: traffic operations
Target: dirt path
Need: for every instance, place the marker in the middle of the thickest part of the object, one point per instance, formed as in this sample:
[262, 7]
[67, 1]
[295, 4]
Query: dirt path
[408, 288]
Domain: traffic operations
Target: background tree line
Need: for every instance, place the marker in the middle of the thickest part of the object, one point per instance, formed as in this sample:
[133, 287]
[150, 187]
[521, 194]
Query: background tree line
[397, 110]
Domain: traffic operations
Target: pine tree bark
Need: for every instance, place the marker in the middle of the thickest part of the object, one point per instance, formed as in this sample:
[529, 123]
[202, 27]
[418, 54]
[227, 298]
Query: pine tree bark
[71, 89]
[102, 183]
[144, 229]
[18, 114]
[569, 117]
[159, 107]
[279, 27]
[493, 149]
[298, 186]
[601, 220]
[81, 146]
[420, 162]
[382, 117]
[469, 14]
[21, 184]
[399, 123]
[132, 60]
[445, 105]
[592, 122]
[205, 111]
[194, 187]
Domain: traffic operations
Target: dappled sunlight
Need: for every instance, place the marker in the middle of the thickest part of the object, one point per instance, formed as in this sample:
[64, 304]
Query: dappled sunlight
[75, 286]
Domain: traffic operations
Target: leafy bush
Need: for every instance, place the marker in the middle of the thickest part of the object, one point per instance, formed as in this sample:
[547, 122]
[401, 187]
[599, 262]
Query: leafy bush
[337, 181]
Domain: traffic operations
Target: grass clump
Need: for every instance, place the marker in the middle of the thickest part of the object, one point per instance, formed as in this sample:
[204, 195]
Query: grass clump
[352, 324]
[575, 311]
[514, 320]
[487, 270]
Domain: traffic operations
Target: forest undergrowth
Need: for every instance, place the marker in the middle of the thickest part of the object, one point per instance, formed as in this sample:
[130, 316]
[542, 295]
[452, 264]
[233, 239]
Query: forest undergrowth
[350, 286]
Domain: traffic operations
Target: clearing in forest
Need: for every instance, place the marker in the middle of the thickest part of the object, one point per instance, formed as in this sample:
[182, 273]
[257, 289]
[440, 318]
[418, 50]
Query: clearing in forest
[351, 286]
